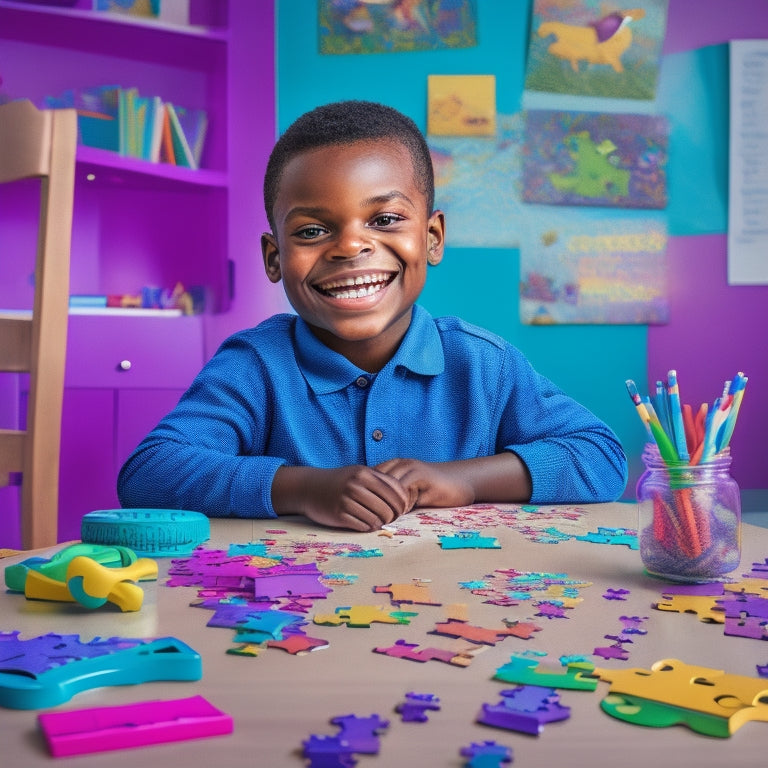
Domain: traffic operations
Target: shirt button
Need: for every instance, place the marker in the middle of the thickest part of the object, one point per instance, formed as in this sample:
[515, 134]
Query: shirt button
[377, 435]
[361, 382]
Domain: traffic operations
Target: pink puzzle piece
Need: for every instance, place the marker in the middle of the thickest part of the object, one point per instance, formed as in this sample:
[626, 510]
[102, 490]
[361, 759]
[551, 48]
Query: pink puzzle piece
[411, 651]
[455, 628]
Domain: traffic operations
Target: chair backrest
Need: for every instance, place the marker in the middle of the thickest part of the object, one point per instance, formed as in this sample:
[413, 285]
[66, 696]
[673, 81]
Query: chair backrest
[39, 144]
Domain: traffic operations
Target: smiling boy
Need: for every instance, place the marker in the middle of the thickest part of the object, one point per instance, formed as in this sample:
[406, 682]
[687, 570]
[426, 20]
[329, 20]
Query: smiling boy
[361, 407]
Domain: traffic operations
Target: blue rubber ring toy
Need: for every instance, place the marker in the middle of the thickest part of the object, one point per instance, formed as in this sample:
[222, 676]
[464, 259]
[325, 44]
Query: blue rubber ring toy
[148, 532]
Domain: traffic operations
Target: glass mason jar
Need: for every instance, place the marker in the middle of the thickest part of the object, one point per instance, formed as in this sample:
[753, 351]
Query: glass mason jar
[689, 518]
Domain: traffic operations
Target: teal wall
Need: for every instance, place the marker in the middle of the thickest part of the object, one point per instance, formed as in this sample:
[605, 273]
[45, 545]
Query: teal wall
[591, 363]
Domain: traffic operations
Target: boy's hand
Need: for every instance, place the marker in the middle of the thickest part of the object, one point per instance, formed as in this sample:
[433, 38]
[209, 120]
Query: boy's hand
[430, 485]
[356, 497]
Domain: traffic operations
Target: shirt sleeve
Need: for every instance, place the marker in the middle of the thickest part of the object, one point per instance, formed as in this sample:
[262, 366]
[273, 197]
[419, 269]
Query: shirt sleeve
[207, 455]
[573, 457]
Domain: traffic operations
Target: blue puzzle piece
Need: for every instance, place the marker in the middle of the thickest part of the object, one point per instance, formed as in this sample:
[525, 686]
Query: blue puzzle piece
[489, 754]
[469, 540]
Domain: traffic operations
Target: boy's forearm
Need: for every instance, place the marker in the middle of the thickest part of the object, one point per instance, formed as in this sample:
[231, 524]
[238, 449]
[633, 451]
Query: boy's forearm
[503, 478]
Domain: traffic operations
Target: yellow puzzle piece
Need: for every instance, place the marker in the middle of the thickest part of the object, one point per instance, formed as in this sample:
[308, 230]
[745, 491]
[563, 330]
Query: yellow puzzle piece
[704, 606]
[363, 616]
[708, 700]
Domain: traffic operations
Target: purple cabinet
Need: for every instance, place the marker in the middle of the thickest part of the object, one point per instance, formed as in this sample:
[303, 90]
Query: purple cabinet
[123, 375]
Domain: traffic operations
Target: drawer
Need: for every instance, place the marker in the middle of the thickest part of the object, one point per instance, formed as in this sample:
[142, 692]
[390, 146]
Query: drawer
[133, 352]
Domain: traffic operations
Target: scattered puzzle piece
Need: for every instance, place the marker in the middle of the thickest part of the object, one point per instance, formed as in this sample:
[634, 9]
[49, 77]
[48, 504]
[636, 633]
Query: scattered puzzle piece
[416, 705]
[526, 709]
[411, 651]
[455, 628]
[524, 671]
[416, 592]
[707, 700]
[469, 540]
[489, 754]
[705, 607]
[363, 616]
[605, 535]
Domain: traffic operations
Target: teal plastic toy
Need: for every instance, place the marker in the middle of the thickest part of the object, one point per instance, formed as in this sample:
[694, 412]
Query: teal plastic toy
[148, 532]
[30, 683]
[55, 567]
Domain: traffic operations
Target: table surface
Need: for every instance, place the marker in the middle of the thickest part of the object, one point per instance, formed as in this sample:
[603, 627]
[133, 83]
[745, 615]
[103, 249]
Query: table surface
[278, 699]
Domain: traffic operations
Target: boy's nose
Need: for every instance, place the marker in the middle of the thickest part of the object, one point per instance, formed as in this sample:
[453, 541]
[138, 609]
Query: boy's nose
[350, 243]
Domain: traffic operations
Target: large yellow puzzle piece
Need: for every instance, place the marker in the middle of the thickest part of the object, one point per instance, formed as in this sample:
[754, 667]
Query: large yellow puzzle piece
[736, 699]
[704, 606]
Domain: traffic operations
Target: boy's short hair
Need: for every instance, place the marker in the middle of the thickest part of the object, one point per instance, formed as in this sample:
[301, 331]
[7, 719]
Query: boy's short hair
[345, 122]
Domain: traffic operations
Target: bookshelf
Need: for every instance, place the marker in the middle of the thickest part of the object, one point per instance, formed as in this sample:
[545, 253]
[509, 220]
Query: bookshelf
[138, 223]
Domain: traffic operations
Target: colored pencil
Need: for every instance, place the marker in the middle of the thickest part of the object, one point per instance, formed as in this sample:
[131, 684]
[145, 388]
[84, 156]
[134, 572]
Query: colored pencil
[676, 416]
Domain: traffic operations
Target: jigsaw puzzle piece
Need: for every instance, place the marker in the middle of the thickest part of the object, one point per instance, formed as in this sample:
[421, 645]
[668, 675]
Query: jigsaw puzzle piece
[525, 709]
[576, 675]
[735, 699]
[704, 606]
[489, 754]
[361, 733]
[469, 540]
[416, 705]
[363, 616]
[416, 592]
[639, 711]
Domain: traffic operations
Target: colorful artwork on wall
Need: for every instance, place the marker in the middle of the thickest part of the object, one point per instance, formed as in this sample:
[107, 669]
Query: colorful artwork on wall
[477, 185]
[461, 105]
[593, 158]
[366, 26]
[577, 270]
[594, 48]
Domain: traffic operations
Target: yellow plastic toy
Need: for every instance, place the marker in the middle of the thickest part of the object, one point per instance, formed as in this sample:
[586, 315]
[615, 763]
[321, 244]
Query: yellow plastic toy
[92, 584]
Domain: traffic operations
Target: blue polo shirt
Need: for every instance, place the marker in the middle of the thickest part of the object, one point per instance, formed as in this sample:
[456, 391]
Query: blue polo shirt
[275, 395]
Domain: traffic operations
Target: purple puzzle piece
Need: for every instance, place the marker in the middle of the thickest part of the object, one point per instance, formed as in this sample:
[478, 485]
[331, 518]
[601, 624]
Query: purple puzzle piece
[290, 581]
[737, 605]
[39, 654]
[328, 752]
[517, 711]
[414, 708]
[750, 626]
[361, 733]
[489, 754]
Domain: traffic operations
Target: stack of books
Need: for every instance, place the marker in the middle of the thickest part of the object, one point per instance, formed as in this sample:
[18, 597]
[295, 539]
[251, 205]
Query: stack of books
[121, 120]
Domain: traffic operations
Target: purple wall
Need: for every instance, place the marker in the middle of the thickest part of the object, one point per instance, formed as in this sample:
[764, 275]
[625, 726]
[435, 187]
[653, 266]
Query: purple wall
[716, 330]
[696, 23]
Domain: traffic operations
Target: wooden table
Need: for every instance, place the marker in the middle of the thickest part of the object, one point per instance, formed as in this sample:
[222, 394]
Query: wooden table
[278, 699]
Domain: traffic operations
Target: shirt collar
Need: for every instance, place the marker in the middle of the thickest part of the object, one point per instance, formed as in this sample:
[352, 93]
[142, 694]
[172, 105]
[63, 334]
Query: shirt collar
[421, 352]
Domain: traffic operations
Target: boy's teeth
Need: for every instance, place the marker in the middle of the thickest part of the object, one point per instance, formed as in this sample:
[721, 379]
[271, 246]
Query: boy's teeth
[355, 287]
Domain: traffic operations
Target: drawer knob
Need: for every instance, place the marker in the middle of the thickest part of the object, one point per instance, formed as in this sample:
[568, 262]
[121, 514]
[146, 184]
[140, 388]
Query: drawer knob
[124, 365]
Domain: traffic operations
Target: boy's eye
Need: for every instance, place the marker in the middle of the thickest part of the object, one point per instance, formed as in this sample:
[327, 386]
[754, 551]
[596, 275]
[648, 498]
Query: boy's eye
[310, 232]
[386, 219]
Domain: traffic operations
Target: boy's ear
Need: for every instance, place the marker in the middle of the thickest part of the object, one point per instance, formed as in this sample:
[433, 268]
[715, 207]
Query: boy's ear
[271, 254]
[435, 238]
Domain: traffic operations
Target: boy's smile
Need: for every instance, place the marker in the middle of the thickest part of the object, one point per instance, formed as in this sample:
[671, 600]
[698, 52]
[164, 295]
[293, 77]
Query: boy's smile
[352, 240]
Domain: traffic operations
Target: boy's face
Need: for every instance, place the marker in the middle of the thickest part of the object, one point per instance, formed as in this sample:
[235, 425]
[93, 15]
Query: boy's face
[351, 244]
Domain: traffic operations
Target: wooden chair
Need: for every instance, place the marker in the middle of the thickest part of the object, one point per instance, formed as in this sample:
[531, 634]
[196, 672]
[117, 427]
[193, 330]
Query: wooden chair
[39, 144]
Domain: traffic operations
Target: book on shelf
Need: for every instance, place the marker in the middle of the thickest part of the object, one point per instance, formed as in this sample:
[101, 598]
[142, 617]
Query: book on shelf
[181, 148]
[194, 126]
[145, 127]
